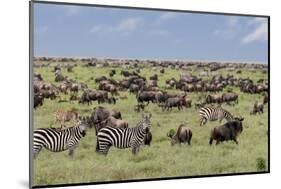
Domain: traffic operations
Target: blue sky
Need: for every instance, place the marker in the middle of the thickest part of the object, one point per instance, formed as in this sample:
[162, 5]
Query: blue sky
[78, 31]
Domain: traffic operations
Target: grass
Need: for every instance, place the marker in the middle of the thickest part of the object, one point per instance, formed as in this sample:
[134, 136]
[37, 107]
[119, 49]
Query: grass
[160, 159]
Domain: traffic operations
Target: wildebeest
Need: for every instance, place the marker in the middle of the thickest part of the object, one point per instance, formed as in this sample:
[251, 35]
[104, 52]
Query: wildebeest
[100, 114]
[93, 95]
[227, 131]
[230, 97]
[147, 138]
[183, 135]
[146, 96]
[213, 98]
[113, 122]
[178, 101]
[38, 100]
[258, 108]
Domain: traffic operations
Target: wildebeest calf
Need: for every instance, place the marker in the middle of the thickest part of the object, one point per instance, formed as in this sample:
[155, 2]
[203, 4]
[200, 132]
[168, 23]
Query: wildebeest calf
[227, 131]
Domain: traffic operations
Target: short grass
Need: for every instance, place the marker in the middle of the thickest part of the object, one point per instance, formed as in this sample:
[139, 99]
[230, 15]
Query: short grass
[160, 159]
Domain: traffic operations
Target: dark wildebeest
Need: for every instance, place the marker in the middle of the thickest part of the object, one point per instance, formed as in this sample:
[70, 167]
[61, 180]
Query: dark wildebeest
[38, 100]
[89, 96]
[100, 114]
[146, 96]
[258, 108]
[227, 131]
[178, 101]
[230, 97]
[213, 98]
[183, 135]
[147, 138]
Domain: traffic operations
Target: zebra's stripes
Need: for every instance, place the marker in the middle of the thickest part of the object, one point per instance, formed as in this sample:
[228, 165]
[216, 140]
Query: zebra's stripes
[123, 137]
[213, 114]
[57, 140]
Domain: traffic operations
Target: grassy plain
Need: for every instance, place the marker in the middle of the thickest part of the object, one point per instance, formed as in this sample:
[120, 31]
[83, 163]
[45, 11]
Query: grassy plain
[160, 159]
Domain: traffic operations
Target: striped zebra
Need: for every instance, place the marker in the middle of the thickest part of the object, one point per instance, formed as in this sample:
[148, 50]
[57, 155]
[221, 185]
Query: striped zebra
[213, 114]
[123, 137]
[57, 140]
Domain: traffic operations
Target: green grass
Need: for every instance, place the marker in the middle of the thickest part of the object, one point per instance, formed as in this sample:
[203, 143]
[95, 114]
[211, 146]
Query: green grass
[160, 159]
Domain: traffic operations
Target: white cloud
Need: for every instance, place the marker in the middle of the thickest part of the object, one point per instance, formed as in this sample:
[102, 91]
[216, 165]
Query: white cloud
[129, 24]
[166, 16]
[229, 29]
[124, 27]
[260, 32]
[71, 10]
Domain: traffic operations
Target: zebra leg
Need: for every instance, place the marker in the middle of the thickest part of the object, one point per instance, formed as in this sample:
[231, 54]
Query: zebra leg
[71, 150]
[36, 152]
[203, 121]
[135, 150]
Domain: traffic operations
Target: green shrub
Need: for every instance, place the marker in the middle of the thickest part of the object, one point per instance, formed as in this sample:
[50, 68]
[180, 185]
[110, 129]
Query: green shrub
[260, 164]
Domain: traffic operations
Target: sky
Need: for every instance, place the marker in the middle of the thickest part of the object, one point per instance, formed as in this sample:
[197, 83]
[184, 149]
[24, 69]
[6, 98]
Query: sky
[82, 31]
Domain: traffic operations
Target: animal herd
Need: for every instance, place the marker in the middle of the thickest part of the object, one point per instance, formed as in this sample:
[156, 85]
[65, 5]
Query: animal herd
[112, 130]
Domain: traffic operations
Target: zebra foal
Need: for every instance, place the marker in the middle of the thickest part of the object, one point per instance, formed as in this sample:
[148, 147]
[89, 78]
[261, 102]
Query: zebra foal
[123, 137]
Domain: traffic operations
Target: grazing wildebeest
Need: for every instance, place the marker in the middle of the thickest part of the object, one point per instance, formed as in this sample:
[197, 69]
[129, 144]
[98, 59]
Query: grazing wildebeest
[147, 138]
[258, 108]
[183, 135]
[227, 131]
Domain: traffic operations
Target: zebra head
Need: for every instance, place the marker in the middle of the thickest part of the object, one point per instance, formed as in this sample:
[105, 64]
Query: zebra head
[146, 123]
[82, 125]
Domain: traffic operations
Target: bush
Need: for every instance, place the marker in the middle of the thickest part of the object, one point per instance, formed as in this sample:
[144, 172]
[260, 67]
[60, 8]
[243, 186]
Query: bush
[171, 133]
[261, 164]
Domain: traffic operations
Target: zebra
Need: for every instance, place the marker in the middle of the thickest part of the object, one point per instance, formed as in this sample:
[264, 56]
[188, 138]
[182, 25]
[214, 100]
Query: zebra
[57, 140]
[213, 114]
[123, 137]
